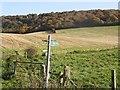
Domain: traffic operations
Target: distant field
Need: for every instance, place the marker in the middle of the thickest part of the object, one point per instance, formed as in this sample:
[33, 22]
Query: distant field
[90, 37]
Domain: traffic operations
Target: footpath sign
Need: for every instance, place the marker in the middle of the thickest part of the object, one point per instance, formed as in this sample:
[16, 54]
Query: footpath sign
[54, 43]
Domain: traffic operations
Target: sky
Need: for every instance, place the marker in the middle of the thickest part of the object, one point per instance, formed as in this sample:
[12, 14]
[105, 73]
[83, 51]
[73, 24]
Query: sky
[23, 8]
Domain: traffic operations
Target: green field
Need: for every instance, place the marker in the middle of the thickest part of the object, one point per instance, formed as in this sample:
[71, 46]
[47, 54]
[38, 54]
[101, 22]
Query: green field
[90, 65]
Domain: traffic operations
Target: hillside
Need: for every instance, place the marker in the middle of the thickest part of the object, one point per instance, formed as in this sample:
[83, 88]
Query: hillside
[58, 20]
[89, 52]
[67, 38]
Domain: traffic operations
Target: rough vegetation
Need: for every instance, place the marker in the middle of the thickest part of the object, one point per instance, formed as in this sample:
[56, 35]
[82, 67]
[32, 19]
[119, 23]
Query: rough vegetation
[58, 20]
[89, 68]
[31, 52]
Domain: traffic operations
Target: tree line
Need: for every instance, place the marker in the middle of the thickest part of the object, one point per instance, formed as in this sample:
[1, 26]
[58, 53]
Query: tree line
[58, 20]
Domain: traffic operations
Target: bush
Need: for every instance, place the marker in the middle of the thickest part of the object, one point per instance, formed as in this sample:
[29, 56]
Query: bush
[31, 52]
[7, 75]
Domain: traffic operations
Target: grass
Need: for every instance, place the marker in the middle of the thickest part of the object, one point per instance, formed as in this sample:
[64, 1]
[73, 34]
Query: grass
[89, 68]
[91, 31]
[91, 54]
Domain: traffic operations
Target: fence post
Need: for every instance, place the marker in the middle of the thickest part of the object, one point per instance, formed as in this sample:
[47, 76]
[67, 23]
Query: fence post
[113, 79]
[8, 63]
[15, 66]
[26, 54]
[48, 61]
[60, 79]
[43, 72]
[66, 76]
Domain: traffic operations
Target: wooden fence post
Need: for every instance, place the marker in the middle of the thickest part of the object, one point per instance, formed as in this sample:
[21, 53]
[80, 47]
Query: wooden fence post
[8, 63]
[26, 54]
[60, 79]
[35, 84]
[113, 79]
[43, 72]
[15, 66]
[66, 76]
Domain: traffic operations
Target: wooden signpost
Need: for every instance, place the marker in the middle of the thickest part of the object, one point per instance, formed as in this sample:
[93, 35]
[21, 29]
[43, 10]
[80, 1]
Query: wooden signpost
[48, 61]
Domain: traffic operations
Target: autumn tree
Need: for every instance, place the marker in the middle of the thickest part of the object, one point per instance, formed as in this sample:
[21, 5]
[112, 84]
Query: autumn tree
[23, 29]
[58, 20]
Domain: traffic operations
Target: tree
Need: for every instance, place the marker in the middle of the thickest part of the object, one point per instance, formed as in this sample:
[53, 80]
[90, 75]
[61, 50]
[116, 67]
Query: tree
[23, 29]
[59, 20]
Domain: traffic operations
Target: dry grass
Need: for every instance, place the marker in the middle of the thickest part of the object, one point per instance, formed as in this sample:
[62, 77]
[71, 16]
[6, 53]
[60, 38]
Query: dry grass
[80, 37]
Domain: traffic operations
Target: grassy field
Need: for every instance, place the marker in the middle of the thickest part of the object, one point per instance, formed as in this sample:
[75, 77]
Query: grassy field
[89, 68]
[90, 52]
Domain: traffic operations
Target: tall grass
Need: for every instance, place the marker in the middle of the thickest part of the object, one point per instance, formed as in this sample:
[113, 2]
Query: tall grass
[89, 68]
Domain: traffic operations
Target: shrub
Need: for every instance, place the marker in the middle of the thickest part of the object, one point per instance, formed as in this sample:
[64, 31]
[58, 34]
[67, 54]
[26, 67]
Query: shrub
[31, 52]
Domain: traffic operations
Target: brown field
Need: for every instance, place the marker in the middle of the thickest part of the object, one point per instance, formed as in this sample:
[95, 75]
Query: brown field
[79, 37]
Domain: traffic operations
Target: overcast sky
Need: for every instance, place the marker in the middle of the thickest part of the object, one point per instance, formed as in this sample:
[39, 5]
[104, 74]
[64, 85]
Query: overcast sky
[23, 8]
